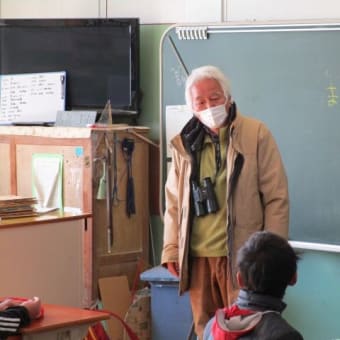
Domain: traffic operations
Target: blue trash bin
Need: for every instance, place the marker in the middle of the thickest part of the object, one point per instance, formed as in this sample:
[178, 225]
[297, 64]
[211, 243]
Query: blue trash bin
[171, 316]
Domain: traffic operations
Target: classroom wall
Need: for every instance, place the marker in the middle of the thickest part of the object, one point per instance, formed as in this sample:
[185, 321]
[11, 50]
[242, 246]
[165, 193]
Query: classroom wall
[313, 303]
[162, 11]
[315, 298]
[259, 10]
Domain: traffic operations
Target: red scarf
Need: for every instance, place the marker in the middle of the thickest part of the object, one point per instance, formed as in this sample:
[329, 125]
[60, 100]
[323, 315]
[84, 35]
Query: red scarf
[221, 334]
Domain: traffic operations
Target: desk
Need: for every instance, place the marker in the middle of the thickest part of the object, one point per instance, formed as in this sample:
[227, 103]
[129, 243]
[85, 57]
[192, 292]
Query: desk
[43, 256]
[62, 323]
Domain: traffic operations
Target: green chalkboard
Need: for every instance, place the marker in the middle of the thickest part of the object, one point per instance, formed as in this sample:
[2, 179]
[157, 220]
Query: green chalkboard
[289, 77]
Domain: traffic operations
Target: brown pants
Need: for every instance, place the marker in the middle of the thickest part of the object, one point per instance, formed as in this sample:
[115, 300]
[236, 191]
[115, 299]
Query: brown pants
[210, 288]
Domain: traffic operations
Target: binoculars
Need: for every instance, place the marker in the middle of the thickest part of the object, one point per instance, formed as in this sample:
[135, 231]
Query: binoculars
[204, 197]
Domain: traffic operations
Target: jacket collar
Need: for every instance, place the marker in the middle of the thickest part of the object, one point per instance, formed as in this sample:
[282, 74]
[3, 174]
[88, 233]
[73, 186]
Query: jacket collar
[251, 300]
[192, 135]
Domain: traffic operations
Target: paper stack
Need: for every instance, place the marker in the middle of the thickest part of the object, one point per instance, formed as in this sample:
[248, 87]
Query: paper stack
[17, 206]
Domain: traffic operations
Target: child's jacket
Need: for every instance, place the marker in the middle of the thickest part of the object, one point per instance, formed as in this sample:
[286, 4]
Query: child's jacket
[253, 317]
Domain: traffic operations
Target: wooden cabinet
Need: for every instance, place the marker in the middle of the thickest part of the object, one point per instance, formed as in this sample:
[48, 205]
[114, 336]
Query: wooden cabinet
[43, 256]
[83, 151]
[130, 233]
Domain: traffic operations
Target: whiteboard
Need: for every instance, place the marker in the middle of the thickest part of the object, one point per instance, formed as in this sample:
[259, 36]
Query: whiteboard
[32, 97]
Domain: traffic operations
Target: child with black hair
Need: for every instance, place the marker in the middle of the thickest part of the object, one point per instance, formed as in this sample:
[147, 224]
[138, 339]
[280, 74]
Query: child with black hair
[15, 314]
[266, 264]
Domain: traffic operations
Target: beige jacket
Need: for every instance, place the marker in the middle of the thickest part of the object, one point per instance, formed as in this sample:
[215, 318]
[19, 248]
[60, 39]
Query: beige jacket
[257, 193]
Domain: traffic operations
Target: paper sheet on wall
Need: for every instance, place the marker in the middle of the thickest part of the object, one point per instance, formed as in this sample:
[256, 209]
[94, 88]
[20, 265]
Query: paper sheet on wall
[176, 116]
[31, 97]
[47, 181]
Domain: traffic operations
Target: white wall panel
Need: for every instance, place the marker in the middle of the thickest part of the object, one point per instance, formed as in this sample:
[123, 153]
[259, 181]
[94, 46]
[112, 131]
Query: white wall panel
[261, 10]
[159, 11]
[29, 8]
[174, 11]
[149, 11]
[48, 8]
[80, 8]
[203, 11]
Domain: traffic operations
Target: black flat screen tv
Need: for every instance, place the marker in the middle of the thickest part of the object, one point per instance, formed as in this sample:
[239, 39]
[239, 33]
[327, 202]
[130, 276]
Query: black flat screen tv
[100, 57]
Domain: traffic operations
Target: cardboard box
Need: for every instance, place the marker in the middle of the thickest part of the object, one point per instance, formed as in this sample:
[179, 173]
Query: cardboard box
[116, 297]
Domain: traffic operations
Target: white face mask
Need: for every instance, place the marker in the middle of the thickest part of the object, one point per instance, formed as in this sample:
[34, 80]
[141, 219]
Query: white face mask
[213, 117]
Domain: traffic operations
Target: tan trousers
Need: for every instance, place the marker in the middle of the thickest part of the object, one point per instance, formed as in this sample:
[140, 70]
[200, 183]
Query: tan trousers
[210, 289]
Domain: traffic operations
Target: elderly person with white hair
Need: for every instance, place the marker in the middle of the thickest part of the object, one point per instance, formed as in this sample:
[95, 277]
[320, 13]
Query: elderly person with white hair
[226, 181]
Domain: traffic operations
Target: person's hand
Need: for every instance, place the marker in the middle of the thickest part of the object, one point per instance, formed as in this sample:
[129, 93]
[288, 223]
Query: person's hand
[173, 268]
[33, 307]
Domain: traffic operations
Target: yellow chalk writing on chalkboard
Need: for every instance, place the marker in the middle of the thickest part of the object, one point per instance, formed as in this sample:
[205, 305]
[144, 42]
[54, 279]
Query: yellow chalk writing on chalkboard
[332, 97]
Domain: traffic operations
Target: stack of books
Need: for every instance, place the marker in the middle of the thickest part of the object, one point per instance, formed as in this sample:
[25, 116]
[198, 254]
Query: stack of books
[17, 206]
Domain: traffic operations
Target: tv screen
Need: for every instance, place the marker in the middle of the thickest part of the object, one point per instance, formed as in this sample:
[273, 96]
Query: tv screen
[100, 57]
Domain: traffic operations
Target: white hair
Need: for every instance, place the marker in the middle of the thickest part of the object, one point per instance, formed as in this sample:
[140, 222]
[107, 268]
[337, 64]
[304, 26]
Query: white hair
[203, 72]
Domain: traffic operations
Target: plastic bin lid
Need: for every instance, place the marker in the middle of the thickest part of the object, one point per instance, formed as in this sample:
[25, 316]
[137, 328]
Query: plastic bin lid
[158, 274]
